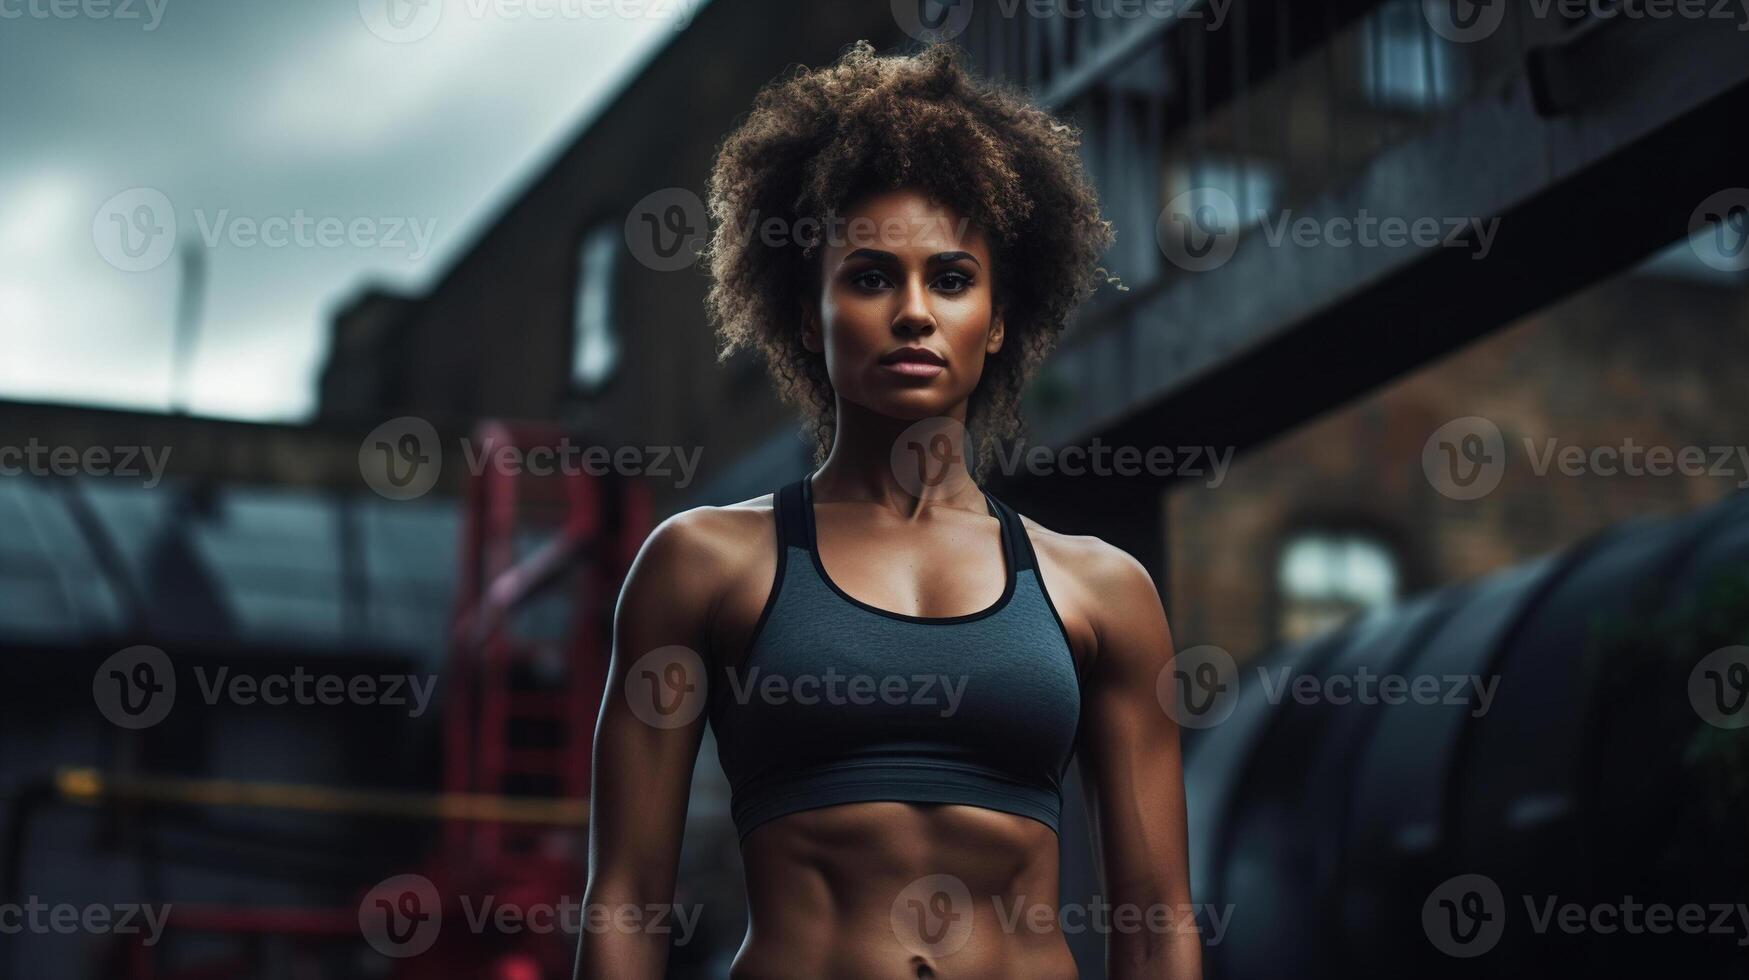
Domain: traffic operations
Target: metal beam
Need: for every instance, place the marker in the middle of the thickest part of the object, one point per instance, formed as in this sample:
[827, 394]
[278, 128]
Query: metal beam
[1280, 334]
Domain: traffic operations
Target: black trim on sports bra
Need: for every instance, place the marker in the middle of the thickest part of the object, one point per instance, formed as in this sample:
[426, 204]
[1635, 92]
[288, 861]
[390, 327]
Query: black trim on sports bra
[1010, 562]
[783, 513]
[1029, 559]
[1009, 755]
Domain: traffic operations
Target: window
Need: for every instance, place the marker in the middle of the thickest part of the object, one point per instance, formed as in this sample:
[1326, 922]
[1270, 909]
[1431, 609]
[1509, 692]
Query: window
[1404, 65]
[595, 350]
[1238, 192]
[1324, 577]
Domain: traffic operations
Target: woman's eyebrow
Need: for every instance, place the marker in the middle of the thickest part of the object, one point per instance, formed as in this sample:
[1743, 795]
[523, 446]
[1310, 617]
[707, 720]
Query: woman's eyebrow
[880, 256]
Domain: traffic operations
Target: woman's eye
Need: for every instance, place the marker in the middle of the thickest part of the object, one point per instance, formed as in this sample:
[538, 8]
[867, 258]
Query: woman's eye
[955, 282]
[869, 279]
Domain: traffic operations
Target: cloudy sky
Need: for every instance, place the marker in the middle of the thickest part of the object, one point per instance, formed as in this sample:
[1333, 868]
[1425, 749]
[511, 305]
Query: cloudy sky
[304, 149]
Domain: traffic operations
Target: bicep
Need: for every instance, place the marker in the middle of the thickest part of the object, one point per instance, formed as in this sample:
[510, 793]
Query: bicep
[1131, 762]
[651, 722]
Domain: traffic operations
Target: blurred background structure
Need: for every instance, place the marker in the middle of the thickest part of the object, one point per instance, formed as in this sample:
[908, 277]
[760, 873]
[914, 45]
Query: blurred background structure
[1465, 456]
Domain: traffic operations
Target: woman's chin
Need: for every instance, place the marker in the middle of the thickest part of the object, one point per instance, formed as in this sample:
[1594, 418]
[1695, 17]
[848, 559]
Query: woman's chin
[913, 406]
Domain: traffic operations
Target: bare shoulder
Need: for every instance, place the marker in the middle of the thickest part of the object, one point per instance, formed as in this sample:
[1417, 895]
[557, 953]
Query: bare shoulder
[1107, 600]
[712, 541]
[1089, 563]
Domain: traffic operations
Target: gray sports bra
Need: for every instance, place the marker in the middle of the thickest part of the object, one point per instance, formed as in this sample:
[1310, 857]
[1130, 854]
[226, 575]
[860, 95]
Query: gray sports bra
[840, 702]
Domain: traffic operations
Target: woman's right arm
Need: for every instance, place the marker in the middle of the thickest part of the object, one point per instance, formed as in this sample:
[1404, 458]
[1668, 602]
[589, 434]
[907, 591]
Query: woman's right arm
[646, 742]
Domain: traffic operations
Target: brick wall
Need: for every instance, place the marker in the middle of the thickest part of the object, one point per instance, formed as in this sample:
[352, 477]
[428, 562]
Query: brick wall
[1655, 360]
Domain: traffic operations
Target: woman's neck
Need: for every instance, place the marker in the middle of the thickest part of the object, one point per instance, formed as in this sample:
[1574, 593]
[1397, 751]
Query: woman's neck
[902, 464]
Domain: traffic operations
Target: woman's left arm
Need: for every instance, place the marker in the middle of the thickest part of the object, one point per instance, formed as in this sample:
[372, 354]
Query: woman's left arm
[1133, 778]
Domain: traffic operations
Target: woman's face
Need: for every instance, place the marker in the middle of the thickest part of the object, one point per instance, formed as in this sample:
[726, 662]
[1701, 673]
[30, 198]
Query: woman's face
[907, 309]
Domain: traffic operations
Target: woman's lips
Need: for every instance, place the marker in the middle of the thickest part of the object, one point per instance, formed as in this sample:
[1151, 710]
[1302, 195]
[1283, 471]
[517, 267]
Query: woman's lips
[914, 369]
[914, 361]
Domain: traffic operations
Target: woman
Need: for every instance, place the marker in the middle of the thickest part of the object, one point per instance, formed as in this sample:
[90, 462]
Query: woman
[896, 666]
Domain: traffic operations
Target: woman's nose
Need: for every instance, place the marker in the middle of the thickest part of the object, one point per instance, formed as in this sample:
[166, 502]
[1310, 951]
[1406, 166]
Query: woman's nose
[915, 315]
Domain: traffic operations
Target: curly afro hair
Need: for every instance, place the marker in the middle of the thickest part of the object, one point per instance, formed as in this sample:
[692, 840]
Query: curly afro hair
[818, 140]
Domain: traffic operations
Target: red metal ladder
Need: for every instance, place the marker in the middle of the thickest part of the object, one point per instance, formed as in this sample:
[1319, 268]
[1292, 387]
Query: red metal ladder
[510, 727]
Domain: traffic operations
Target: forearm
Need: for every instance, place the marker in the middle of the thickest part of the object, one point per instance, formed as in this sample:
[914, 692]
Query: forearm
[1160, 947]
[1153, 933]
[614, 942]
